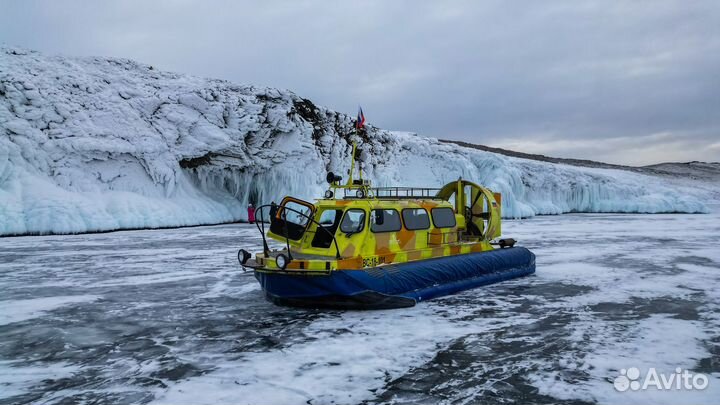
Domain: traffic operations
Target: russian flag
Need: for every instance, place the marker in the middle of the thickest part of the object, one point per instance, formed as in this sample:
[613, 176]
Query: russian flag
[360, 119]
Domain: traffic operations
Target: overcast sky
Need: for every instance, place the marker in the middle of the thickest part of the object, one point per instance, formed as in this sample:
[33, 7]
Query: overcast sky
[632, 82]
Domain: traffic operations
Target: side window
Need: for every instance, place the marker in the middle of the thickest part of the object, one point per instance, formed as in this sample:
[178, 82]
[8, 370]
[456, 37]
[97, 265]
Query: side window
[415, 218]
[353, 221]
[443, 217]
[385, 221]
[328, 217]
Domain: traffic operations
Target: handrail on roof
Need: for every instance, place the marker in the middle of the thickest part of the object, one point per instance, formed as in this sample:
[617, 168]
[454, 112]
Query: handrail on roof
[401, 193]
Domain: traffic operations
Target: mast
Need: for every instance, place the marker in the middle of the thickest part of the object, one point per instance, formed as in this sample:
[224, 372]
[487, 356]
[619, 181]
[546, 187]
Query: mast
[352, 165]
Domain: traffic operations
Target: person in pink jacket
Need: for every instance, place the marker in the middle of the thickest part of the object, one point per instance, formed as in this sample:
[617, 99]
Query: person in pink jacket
[251, 214]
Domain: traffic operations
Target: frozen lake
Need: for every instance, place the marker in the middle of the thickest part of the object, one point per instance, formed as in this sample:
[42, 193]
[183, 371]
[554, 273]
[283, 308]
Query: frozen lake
[167, 316]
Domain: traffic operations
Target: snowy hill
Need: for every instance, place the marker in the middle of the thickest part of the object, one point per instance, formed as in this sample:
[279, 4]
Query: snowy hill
[90, 144]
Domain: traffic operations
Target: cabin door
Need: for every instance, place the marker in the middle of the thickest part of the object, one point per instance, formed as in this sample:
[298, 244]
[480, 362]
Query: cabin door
[291, 218]
[329, 221]
[351, 233]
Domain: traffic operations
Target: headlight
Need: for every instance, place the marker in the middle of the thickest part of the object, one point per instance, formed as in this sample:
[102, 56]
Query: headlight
[281, 261]
[243, 256]
[329, 194]
[360, 193]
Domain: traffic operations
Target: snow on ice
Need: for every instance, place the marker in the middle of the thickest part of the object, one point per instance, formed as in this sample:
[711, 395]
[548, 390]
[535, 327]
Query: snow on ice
[89, 144]
[21, 310]
[167, 317]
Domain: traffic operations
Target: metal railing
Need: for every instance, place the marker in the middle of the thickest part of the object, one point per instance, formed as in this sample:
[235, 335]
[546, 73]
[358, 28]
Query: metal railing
[403, 192]
[261, 227]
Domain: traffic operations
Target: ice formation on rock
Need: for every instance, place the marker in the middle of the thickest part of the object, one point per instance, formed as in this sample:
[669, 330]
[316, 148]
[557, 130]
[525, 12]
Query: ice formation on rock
[90, 144]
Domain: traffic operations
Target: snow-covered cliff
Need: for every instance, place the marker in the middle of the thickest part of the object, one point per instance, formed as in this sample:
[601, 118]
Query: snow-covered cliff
[90, 144]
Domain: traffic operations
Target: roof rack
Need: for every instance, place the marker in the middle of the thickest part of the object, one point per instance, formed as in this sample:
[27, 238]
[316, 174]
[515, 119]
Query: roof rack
[401, 193]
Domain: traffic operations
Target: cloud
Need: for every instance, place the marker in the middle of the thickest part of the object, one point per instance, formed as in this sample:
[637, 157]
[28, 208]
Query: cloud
[551, 73]
[633, 150]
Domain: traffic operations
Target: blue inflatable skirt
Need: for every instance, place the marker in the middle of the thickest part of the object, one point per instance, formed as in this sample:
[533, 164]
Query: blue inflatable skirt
[397, 285]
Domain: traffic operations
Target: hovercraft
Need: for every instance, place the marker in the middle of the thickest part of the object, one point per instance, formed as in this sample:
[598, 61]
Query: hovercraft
[383, 247]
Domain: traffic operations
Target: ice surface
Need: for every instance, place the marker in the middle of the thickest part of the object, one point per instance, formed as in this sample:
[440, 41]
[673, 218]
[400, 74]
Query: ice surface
[176, 321]
[22, 310]
[335, 367]
[89, 144]
[641, 344]
[15, 380]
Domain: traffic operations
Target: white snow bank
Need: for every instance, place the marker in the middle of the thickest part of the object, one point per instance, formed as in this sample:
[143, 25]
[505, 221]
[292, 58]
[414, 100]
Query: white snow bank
[90, 144]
